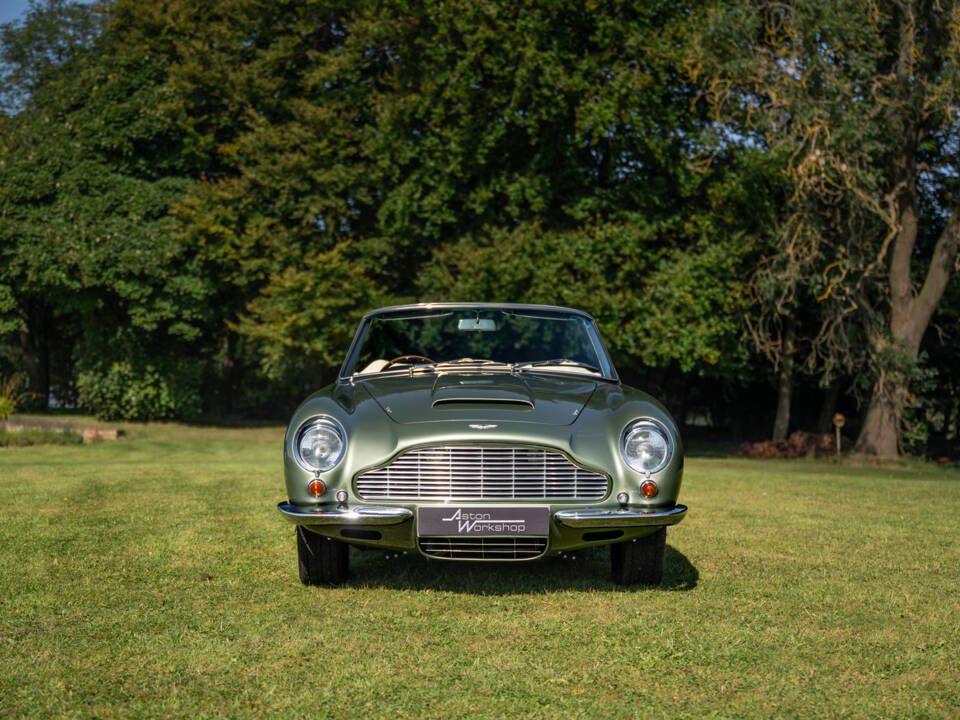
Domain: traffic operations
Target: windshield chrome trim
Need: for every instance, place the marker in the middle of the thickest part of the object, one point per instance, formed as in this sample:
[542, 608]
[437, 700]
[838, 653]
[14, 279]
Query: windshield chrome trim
[475, 305]
[479, 369]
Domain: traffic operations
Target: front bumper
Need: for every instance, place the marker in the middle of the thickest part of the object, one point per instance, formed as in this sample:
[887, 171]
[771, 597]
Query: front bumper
[577, 518]
[395, 528]
[574, 518]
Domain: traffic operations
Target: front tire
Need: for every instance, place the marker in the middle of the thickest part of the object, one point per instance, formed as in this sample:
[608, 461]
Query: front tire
[323, 560]
[640, 561]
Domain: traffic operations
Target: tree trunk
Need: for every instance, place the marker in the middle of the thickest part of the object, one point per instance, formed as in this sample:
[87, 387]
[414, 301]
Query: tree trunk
[910, 311]
[231, 373]
[684, 397]
[781, 423]
[736, 423]
[829, 407]
[880, 435]
[35, 348]
[910, 314]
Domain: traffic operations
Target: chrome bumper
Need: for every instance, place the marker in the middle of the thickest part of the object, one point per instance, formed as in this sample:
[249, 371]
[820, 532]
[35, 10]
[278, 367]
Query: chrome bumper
[359, 515]
[379, 515]
[621, 517]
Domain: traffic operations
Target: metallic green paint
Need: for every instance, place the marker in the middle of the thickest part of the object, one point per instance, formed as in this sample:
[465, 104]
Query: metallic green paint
[578, 414]
[474, 397]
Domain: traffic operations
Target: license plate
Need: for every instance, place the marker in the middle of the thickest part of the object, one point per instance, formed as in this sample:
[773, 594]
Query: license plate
[483, 521]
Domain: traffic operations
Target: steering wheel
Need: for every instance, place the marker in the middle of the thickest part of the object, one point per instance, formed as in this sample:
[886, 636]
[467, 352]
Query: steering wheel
[405, 358]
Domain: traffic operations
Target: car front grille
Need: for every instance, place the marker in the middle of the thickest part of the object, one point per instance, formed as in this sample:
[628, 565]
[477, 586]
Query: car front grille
[479, 472]
[477, 548]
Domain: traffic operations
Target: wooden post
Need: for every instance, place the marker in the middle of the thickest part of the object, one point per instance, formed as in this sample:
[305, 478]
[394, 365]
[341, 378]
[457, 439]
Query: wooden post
[838, 422]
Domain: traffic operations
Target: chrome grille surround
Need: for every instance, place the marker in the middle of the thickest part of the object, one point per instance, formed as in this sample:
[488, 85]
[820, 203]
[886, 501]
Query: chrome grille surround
[482, 472]
[460, 547]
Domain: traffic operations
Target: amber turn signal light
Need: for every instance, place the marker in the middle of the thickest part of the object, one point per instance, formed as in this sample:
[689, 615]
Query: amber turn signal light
[649, 488]
[316, 488]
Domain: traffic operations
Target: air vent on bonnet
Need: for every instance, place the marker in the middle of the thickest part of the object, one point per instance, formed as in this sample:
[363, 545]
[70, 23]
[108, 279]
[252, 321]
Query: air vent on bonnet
[498, 402]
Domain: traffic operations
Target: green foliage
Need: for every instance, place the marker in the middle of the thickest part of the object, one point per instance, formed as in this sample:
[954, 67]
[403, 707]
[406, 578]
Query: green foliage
[920, 416]
[915, 433]
[237, 182]
[11, 394]
[496, 115]
[9, 322]
[88, 169]
[84, 218]
[940, 396]
[32, 49]
[308, 316]
[859, 101]
[377, 135]
[668, 291]
[653, 306]
[142, 390]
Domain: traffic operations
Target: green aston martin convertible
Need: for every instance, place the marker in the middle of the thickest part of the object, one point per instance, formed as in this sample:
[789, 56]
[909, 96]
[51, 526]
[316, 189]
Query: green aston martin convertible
[481, 432]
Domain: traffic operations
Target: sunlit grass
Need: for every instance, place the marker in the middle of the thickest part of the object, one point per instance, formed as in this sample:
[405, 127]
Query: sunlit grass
[153, 577]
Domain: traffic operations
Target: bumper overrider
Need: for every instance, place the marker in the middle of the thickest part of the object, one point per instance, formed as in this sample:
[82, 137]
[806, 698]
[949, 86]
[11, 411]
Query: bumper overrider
[395, 527]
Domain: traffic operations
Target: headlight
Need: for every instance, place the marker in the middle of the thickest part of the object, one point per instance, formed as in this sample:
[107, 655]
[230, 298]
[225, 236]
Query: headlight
[320, 444]
[645, 445]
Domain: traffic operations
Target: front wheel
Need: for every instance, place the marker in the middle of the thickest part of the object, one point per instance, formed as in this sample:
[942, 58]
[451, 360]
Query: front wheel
[640, 561]
[323, 560]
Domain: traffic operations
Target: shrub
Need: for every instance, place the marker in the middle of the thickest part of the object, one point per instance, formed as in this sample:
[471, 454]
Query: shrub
[10, 395]
[39, 437]
[126, 390]
[914, 432]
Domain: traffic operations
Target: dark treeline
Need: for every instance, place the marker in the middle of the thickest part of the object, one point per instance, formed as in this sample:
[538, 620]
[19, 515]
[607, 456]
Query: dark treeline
[758, 202]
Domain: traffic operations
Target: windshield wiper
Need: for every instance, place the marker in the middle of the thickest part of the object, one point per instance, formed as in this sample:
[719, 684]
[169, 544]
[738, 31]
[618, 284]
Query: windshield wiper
[558, 361]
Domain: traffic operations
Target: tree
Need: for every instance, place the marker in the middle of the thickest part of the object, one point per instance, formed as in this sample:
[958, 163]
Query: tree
[88, 173]
[50, 35]
[284, 197]
[666, 292]
[385, 134]
[654, 306]
[861, 101]
[352, 155]
[354, 142]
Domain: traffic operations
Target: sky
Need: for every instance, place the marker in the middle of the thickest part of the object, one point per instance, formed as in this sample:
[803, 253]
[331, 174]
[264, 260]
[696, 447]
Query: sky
[12, 9]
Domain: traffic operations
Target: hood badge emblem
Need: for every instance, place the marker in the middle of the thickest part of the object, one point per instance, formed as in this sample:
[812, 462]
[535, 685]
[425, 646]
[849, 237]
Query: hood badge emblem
[478, 426]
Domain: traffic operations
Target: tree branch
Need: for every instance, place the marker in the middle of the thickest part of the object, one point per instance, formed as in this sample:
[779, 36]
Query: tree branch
[945, 254]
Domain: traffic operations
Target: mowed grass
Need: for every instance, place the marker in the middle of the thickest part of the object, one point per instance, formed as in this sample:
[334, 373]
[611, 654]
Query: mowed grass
[153, 577]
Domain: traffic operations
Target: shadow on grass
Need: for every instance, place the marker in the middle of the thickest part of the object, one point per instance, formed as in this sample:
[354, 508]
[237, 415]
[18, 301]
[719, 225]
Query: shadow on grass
[588, 570]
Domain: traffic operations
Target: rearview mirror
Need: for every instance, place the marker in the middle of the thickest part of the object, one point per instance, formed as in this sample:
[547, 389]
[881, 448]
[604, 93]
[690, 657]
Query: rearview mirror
[477, 324]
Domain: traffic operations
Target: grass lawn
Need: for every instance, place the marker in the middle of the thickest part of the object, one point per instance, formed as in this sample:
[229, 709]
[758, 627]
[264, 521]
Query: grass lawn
[153, 577]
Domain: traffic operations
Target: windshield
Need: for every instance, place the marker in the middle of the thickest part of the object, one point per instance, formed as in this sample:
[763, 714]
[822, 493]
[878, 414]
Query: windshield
[519, 339]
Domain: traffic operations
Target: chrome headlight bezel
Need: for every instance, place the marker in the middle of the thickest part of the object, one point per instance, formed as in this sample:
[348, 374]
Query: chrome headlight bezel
[649, 424]
[329, 423]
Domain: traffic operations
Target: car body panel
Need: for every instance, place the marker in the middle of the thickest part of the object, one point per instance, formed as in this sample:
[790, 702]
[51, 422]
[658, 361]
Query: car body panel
[480, 396]
[582, 416]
